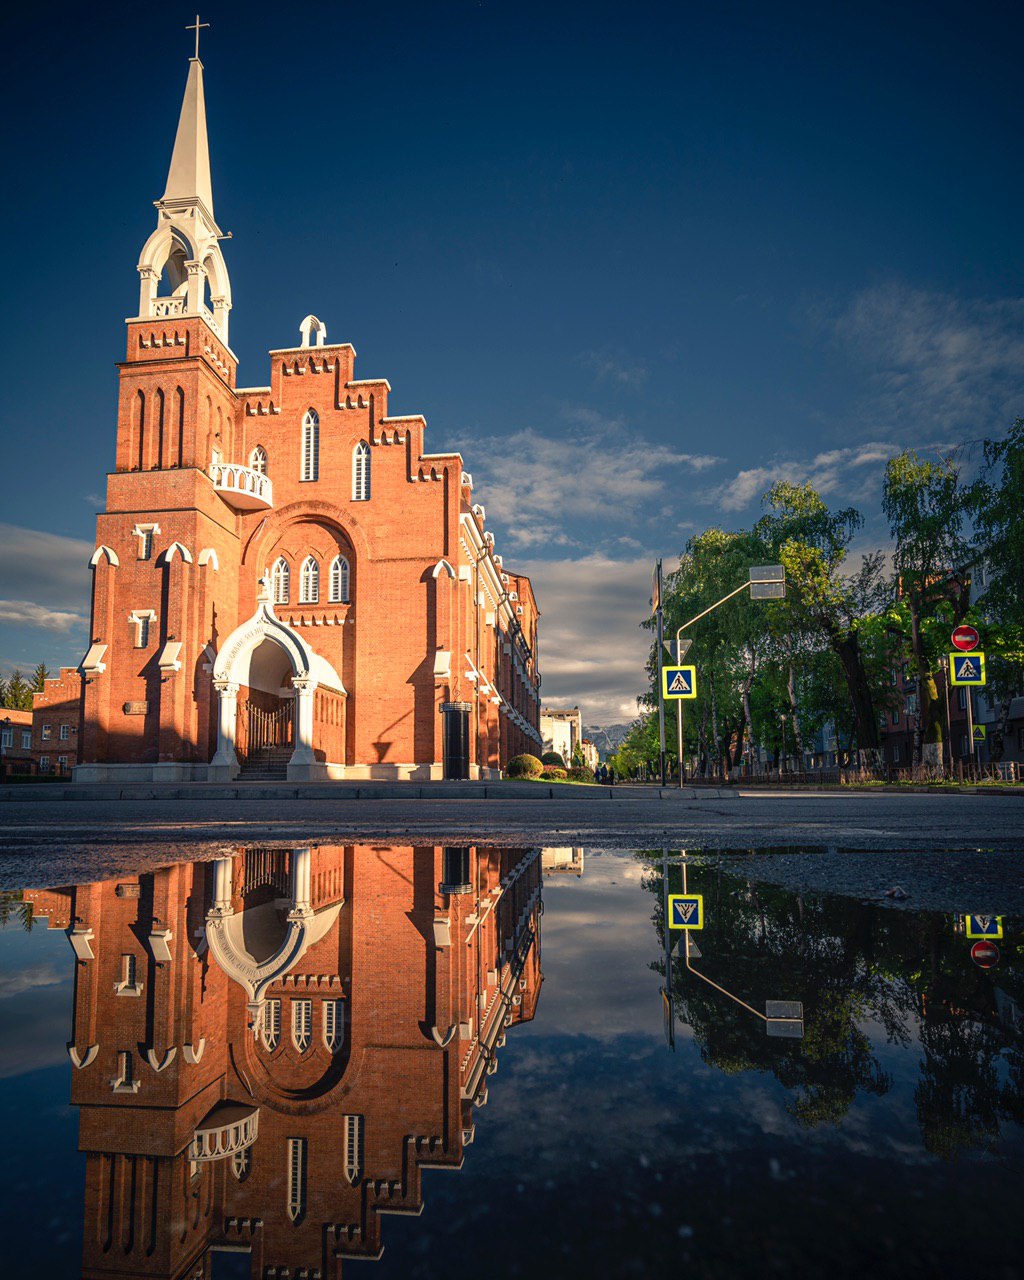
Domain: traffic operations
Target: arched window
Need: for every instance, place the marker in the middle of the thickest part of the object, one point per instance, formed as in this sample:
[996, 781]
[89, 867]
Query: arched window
[270, 1031]
[334, 1025]
[309, 584]
[311, 446]
[361, 472]
[258, 460]
[339, 580]
[296, 1179]
[352, 1155]
[280, 578]
[302, 1024]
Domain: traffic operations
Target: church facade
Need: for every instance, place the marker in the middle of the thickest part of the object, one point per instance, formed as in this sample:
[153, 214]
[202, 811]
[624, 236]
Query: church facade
[285, 582]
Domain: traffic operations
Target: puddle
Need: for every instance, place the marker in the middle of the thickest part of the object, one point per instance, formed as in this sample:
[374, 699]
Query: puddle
[451, 1060]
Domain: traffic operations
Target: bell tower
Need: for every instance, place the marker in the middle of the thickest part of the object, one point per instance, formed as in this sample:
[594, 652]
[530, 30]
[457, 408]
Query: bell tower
[181, 268]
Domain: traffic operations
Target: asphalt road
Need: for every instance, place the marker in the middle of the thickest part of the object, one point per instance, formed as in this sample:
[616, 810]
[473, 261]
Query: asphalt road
[59, 842]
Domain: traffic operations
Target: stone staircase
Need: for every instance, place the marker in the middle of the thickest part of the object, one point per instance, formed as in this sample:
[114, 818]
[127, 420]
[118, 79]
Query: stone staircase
[268, 764]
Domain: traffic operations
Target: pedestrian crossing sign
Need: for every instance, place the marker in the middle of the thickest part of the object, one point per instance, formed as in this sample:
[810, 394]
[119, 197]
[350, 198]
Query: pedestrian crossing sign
[679, 682]
[686, 911]
[984, 926]
[980, 733]
[967, 668]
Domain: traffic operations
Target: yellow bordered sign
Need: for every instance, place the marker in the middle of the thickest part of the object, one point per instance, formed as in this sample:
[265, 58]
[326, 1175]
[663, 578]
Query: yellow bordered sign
[967, 668]
[679, 682]
[984, 926]
[686, 911]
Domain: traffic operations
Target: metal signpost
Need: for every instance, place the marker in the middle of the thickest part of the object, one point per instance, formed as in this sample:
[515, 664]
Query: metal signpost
[656, 602]
[968, 669]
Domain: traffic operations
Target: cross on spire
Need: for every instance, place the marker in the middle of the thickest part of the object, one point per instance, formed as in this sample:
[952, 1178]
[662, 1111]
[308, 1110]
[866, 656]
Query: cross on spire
[197, 26]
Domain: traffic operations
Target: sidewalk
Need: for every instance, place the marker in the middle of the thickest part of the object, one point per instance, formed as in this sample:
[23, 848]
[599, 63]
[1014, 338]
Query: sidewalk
[50, 792]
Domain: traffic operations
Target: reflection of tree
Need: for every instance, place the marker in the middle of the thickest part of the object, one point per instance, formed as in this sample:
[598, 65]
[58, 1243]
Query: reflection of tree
[13, 909]
[852, 963]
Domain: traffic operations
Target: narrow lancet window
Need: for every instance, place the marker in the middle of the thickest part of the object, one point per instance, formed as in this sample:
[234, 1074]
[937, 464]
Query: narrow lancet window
[309, 586]
[339, 580]
[258, 460]
[280, 580]
[311, 446]
[361, 472]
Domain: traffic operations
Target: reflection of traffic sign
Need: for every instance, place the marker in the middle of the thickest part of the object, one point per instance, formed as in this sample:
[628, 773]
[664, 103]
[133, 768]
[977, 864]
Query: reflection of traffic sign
[967, 668]
[984, 926]
[679, 682]
[965, 637]
[686, 911]
[980, 733]
[985, 955]
[767, 582]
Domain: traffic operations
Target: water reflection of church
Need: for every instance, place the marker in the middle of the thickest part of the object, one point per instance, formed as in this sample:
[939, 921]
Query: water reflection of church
[272, 1047]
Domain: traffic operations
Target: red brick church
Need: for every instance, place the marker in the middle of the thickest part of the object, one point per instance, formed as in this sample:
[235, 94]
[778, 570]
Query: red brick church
[284, 580]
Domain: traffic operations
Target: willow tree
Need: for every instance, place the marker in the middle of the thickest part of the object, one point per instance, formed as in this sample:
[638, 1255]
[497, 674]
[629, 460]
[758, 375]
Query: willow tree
[928, 507]
[812, 543]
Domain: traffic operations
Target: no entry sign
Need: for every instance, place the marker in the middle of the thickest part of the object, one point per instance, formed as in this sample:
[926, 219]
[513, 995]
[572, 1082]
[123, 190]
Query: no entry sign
[985, 955]
[965, 637]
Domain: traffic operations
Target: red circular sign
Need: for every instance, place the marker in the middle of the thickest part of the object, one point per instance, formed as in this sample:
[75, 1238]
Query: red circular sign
[985, 955]
[965, 637]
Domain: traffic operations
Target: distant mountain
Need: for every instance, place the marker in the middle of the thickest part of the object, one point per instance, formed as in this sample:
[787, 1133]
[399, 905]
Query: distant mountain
[607, 738]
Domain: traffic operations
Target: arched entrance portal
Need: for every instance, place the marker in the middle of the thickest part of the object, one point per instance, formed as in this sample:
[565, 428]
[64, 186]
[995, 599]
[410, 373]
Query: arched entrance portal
[275, 690]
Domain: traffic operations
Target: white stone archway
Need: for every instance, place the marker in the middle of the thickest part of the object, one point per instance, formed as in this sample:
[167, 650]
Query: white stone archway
[226, 933]
[233, 668]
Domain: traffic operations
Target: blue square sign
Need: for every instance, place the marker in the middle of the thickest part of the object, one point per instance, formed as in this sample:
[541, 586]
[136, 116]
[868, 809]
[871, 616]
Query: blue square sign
[686, 911]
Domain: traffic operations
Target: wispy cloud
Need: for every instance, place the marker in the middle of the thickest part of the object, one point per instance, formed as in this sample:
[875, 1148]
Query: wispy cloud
[934, 360]
[29, 978]
[616, 368]
[850, 473]
[597, 469]
[46, 568]
[27, 613]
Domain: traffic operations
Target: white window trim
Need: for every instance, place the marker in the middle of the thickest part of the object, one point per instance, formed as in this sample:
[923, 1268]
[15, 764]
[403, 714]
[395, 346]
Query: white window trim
[281, 574]
[309, 581]
[258, 460]
[302, 1024]
[139, 617]
[352, 1138]
[340, 580]
[333, 1025]
[309, 457]
[146, 533]
[361, 472]
[270, 1031]
[296, 1180]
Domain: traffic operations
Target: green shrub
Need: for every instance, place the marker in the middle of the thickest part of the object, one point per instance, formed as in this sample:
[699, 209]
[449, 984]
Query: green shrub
[552, 757]
[580, 773]
[554, 771]
[524, 766]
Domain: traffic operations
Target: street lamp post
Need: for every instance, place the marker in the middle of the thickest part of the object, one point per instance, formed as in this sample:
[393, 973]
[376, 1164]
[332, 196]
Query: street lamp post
[765, 582]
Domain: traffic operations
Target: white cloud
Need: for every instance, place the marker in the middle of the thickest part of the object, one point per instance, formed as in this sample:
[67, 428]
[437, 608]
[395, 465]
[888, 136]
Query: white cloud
[28, 614]
[592, 648]
[46, 568]
[851, 472]
[29, 978]
[599, 470]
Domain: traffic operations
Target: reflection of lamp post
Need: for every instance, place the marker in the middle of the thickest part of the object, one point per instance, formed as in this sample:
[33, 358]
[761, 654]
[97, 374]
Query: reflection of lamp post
[781, 1017]
[782, 762]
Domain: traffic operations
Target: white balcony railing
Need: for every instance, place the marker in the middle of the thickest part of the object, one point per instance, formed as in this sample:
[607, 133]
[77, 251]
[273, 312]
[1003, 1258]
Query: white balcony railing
[244, 488]
[230, 1127]
[164, 307]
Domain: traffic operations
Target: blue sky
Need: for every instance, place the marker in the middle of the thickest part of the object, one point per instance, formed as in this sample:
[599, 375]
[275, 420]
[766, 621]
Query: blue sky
[635, 263]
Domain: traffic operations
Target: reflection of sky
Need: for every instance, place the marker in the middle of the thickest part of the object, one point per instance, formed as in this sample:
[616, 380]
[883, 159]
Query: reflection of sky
[600, 1152]
[41, 1225]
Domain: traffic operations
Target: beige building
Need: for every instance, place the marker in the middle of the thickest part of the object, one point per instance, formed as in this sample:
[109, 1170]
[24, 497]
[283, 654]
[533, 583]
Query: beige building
[561, 730]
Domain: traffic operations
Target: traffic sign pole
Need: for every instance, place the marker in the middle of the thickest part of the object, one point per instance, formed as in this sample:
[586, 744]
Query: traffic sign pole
[661, 695]
[970, 719]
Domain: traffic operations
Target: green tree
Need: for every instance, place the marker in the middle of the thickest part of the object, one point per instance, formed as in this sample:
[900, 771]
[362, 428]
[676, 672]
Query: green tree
[928, 506]
[822, 601]
[39, 678]
[18, 694]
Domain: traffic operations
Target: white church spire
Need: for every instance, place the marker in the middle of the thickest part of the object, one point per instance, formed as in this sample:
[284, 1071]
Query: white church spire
[189, 175]
[181, 267]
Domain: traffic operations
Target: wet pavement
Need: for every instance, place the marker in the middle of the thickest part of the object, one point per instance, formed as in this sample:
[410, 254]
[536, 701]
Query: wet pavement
[440, 1060]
